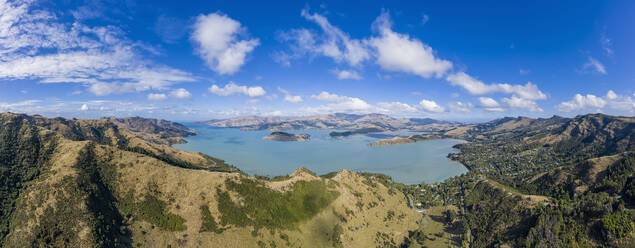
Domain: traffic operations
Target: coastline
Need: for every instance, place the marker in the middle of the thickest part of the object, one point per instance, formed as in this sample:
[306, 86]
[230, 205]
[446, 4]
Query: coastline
[413, 167]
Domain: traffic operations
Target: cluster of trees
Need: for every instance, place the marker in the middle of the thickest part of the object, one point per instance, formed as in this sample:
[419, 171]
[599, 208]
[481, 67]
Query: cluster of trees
[265, 207]
[24, 155]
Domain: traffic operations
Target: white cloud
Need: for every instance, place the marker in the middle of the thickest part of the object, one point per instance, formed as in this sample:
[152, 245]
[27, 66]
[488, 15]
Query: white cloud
[516, 102]
[328, 97]
[400, 52]
[346, 74]
[611, 95]
[396, 107]
[84, 107]
[490, 104]
[461, 107]
[430, 106]
[332, 43]
[157, 97]
[581, 102]
[290, 98]
[231, 88]
[181, 94]
[476, 87]
[217, 38]
[593, 65]
[611, 100]
[339, 103]
[35, 44]
[293, 99]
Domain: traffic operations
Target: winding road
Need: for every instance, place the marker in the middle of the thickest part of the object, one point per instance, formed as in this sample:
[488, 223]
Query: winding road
[412, 205]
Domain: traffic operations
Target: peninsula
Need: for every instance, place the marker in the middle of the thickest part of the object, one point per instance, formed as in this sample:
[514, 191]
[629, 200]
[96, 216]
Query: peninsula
[400, 140]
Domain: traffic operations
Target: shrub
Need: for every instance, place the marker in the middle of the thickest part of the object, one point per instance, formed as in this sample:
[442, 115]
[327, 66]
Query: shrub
[264, 207]
[619, 224]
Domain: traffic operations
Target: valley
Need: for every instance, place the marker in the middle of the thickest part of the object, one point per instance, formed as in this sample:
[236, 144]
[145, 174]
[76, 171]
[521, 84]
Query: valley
[527, 179]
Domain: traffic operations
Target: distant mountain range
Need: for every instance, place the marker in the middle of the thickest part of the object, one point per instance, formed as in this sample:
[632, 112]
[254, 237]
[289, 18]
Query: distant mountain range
[334, 121]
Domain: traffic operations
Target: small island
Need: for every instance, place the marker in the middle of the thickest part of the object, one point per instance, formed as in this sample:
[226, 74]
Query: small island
[282, 136]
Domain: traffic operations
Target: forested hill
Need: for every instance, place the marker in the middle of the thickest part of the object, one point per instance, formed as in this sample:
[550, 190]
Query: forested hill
[547, 182]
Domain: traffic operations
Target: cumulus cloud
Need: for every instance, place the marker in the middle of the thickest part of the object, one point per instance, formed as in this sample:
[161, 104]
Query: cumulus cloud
[339, 103]
[231, 89]
[612, 100]
[393, 51]
[396, 107]
[430, 106]
[464, 107]
[580, 102]
[353, 104]
[84, 107]
[217, 38]
[347, 74]
[611, 95]
[181, 94]
[400, 52]
[593, 65]
[476, 87]
[157, 97]
[490, 104]
[290, 98]
[328, 97]
[332, 43]
[36, 44]
[516, 102]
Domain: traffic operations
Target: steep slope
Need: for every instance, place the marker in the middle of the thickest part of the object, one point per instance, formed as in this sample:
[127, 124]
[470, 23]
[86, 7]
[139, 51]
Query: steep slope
[84, 183]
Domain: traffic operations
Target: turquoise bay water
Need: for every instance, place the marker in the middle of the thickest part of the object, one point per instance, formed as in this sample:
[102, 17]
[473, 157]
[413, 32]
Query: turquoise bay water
[412, 163]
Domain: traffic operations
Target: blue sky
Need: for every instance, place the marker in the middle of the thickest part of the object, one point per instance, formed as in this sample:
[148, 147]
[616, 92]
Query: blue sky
[179, 60]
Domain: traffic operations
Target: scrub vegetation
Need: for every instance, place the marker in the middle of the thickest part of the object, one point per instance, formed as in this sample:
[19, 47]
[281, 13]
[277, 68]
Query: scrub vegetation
[263, 207]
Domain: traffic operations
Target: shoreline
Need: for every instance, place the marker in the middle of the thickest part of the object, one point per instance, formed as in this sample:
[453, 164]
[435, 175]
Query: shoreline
[447, 156]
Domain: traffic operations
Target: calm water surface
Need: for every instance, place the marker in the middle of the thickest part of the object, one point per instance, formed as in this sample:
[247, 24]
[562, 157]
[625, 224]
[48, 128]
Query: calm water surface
[413, 163]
